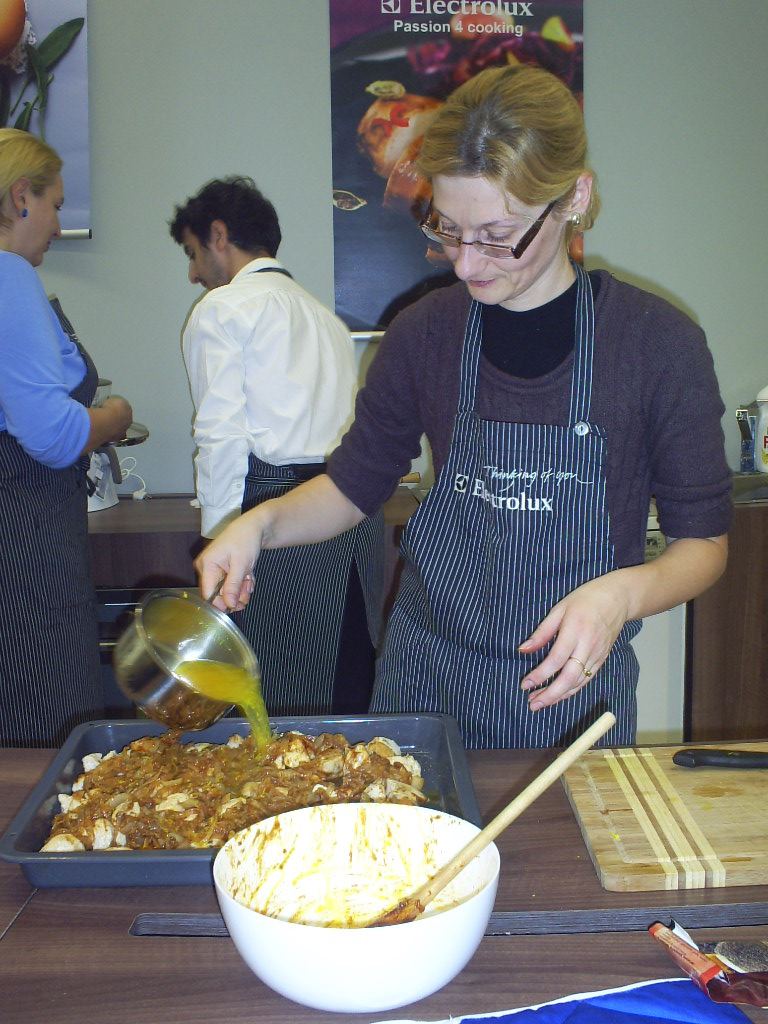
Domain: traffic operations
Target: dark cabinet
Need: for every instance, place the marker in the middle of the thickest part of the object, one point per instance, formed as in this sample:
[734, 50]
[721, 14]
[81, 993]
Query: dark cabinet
[727, 643]
[145, 544]
[138, 546]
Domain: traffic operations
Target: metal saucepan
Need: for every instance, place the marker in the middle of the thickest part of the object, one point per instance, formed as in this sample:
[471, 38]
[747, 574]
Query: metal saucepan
[170, 627]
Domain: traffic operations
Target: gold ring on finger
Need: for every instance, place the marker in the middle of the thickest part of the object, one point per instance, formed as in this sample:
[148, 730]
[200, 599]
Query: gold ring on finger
[585, 671]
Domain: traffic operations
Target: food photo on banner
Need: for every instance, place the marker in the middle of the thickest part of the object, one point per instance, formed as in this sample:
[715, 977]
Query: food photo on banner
[393, 63]
[44, 90]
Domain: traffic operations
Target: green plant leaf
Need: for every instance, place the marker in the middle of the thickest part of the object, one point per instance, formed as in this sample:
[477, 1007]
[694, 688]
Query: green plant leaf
[24, 118]
[5, 99]
[37, 72]
[56, 44]
[30, 78]
[42, 97]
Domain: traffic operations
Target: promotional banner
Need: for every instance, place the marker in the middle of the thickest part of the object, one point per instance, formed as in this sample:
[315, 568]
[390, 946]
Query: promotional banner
[393, 63]
[44, 90]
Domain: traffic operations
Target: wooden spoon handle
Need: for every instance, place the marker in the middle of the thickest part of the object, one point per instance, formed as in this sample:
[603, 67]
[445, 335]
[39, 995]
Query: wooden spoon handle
[427, 892]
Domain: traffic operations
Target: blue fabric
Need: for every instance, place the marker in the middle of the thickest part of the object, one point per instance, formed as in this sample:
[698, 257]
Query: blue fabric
[678, 1001]
[39, 367]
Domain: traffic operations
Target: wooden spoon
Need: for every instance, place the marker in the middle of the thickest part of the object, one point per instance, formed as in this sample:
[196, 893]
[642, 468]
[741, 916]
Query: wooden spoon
[411, 906]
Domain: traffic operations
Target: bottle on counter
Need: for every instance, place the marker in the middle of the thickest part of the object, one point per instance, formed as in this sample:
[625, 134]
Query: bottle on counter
[746, 418]
[761, 432]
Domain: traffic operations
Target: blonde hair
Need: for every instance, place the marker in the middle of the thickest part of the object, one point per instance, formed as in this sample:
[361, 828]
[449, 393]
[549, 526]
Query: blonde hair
[23, 155]
[518, 127]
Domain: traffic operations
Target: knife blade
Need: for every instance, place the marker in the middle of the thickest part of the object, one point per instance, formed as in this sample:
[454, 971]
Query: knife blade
[715, 757]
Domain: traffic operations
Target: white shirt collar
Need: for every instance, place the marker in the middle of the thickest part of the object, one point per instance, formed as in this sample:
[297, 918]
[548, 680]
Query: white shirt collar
[260, 263]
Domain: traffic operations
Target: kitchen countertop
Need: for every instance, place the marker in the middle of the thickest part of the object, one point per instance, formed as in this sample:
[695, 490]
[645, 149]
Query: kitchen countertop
[68, 955]
[149, 543]
[71, 961]
[749, 487]
[549, 884]
[173, 513]
[152, 543]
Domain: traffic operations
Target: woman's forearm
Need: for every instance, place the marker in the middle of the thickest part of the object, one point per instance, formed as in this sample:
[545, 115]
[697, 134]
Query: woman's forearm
[312, 512]
[686, 568]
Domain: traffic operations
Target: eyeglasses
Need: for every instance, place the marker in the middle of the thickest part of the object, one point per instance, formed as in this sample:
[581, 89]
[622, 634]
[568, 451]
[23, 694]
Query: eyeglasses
[501, 252]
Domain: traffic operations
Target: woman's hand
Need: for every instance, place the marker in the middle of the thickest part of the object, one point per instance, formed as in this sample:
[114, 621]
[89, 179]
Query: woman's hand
[109, 422]
[586, 624]
[587, 621]
[312, 512]
[231, 556]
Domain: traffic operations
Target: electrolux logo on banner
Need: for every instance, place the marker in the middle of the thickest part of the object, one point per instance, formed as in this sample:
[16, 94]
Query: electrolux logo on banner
[497, 10]
[512, 8]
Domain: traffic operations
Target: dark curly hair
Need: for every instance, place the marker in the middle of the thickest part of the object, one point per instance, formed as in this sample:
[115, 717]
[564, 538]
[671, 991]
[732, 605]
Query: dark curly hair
[250, 218]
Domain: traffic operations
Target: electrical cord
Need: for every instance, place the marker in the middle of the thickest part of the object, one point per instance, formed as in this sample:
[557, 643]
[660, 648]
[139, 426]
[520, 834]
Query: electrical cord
[127, 467]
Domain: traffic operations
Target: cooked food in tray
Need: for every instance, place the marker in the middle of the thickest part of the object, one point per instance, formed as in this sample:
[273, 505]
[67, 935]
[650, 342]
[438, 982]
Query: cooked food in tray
[161, 794]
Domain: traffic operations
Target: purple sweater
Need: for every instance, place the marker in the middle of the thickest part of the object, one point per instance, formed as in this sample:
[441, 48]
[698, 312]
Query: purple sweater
[654, 392]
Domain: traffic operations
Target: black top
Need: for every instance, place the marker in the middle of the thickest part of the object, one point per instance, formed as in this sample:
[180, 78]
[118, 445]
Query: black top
[532, 342]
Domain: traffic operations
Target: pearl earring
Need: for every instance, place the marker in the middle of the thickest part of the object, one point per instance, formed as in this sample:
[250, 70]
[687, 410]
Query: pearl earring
[575, 219]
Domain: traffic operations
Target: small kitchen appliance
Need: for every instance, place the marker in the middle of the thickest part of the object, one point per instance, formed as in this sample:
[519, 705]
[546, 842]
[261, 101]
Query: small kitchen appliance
[106, 470]
[103, 474]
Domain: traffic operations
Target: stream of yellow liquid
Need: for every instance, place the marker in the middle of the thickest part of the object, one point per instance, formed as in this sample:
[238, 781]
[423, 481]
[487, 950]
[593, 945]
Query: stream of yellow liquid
[233, 685]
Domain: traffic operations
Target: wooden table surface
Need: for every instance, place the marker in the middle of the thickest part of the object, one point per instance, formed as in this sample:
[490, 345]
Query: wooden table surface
[549, 883]
[69, 959]
[19, 770]
[68, 955]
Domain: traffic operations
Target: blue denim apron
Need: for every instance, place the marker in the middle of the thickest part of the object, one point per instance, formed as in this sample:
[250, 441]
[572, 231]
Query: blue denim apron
[516, 520]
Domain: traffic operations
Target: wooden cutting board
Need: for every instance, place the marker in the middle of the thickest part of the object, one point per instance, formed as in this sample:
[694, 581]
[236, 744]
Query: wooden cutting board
[649, 824]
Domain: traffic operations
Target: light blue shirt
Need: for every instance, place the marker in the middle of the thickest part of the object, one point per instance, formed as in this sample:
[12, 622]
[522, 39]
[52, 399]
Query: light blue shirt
[39, 366]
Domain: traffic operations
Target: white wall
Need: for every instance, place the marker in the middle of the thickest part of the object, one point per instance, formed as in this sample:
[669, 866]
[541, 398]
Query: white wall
[676, 102]
[184, 90]
[660, 649]
[676, 106]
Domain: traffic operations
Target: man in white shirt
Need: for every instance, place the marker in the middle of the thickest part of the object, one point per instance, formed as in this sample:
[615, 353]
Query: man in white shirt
[273, 378]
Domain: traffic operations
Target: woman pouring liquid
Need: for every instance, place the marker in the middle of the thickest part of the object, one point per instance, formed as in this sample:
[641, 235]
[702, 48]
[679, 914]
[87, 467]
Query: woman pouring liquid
[552, 399]
[49, 661]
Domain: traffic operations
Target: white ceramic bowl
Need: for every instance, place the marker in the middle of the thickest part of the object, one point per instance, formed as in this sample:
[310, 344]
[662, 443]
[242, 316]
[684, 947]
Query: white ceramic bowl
[339, 863]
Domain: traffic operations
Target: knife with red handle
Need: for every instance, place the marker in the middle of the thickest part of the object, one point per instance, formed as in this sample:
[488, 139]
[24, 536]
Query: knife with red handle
[715, 757]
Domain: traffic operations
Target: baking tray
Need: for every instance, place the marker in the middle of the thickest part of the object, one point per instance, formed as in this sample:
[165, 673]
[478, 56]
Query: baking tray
[433, 739]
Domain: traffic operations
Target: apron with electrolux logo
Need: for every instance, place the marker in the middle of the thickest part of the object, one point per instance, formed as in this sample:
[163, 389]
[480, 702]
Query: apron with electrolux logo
[516, 520]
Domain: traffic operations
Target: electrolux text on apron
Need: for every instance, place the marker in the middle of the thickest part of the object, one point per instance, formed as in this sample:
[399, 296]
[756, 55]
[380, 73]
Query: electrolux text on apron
[512, 502]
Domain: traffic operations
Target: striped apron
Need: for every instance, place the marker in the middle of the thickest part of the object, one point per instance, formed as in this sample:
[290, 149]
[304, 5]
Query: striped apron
[516, 520]
[294, 618]
[49, 654]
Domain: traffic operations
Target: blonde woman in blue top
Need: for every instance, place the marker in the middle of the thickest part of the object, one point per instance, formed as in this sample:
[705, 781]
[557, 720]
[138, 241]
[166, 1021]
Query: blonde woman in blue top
[49, 664]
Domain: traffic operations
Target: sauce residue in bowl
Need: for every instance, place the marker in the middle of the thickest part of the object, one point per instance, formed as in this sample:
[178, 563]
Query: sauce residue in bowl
[342, 865]
[233, 685]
